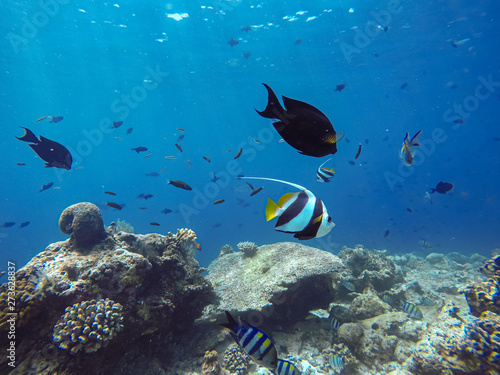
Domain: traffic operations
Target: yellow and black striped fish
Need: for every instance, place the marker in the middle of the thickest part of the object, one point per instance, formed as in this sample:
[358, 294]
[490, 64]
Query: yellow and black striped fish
[253, 341]
[412, 310]
[302, 213]
[286, 368]
[324, 174]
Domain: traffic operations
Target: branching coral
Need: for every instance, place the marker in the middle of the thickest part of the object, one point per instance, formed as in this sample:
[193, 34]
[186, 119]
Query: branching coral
[248, 248]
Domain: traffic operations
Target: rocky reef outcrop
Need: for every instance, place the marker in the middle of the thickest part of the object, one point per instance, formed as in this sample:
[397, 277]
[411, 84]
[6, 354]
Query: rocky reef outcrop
[82, 307]
[282, 281]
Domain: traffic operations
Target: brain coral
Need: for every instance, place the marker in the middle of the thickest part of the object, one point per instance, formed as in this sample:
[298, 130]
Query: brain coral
[88, 325]
[84, 222]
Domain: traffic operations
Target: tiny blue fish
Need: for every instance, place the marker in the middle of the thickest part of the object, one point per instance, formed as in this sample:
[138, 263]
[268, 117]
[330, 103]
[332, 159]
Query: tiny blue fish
[253, 341]
[336, 362]
[412, 310]
[286, 368]
[348, 285]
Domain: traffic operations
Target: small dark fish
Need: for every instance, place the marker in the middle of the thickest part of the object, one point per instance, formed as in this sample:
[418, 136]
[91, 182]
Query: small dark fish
[47, 186]
[21, 163]
[129, 130]
[238, 154]
[154, 224]
[179, 184]
[358, 152]
[116, 124]
[351, 162]
[386, 28]
[298, 41]
[114, 205]
[348, 140]
[25, 224]
[8, 224]
[207, 159]
[387, 232]
[349, 286]
[340, 87]
[55, 119]
[139, 149]
[424, 244]
[459, 121]
[181, 137]
[180, 129]
[409, 210]
[178, 147]
[246, 55]
[53, 153]
[256, 141]
[251, 187]
[215, 178]
[119, 139]
[109, 193]
[41, 118]
[403, 86]
[217, 225]
[366, 141]
[197, 245]
[140, 196]
[246, 28]
[170, 157]
[147, 156]
[166, 211]
[233, 42]
[256, 191]
[442, 188]
[219, 201]
[143, 208]
[152, 174]
[147, 196]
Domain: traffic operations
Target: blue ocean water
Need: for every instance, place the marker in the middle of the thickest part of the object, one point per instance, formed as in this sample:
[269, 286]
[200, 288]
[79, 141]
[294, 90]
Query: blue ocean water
[158, 66]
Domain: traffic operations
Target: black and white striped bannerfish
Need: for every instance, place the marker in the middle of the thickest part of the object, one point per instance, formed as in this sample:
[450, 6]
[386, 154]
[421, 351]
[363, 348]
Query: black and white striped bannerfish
[253, 341]
[286, 368]
[324, 174]
[302, 213]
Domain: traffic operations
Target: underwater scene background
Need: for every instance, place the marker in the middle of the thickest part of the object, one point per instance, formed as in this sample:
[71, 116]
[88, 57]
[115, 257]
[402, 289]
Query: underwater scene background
[186, 78]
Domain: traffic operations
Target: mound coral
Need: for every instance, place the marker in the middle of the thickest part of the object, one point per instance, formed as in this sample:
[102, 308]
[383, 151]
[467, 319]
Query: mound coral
[84, 222]
[88, 325]
[236, 361]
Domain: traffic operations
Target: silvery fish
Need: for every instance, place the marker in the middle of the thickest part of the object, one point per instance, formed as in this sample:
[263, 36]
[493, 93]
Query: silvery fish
[407, 151]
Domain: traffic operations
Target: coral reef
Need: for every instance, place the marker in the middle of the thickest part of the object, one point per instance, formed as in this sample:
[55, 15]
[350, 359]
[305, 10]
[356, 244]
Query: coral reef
[226, 249]
[161, 291]
[236, 361]
[84, 222]
[123, 226]
[283, 281]
[371, 267]
[88, 325]
[211, 364]
[248, 248]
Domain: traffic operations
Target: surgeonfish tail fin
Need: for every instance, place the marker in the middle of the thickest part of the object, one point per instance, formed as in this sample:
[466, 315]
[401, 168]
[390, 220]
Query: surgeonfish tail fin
[273, 108]
[334, 138]
[414, 140]
[231, 323]
[28, 136]
[432, 190]
[272, 209]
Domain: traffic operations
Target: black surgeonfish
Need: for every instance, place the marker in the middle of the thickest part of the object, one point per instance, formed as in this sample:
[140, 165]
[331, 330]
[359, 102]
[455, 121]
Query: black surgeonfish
[302, 126]
[53, 153]
[442, 188]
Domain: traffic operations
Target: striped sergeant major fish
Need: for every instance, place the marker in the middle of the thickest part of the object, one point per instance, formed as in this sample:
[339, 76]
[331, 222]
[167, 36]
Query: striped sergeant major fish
[300, 213]
[412, 310]
[253, 341]
[407, 151]
[324, 174]
[286, 368]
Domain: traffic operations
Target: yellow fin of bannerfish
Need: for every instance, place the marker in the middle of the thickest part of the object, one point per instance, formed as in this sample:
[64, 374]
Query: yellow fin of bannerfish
[329, 169]
[285, 198]
[334, 138]
[271, 210]
[318, 219]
